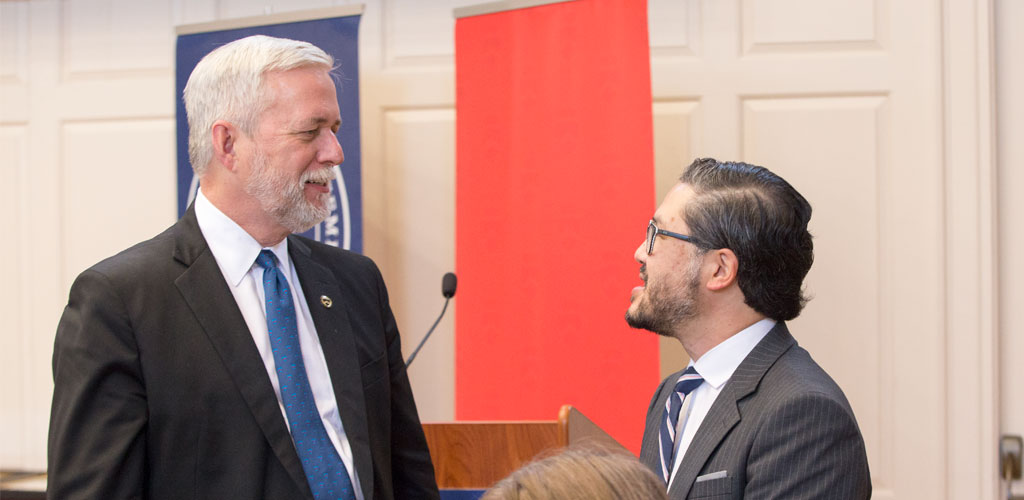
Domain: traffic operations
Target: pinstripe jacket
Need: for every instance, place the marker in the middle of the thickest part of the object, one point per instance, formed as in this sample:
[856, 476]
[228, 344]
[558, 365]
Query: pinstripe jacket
[780, 428]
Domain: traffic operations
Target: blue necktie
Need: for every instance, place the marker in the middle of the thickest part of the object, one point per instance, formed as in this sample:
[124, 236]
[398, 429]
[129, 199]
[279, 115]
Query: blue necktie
[687, 382]
[324, 469]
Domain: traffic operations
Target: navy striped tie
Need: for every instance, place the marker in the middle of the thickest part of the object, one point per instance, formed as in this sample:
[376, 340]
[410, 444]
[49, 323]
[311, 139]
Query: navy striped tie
[687, 382]
[324, 469]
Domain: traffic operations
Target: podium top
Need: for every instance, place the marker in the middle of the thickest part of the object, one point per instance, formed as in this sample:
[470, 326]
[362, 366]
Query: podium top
[479, 454]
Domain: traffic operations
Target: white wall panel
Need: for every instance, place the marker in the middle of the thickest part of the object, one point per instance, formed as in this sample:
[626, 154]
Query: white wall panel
[420, 175]
[13, 42]
[673, 27]
[676, 130]
[14, 104]
[14, 62]
[110, 38]
[118, 188]
[227, 9]
[418, 33]
[13, 344]
[804, 24]
[1010, 115]
[828, 148]
[43, 297]
[194, 11]
[116, 97]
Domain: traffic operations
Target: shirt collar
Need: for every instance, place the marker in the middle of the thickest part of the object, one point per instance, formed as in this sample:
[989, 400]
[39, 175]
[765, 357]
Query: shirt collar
[717, 365]
[234, 249]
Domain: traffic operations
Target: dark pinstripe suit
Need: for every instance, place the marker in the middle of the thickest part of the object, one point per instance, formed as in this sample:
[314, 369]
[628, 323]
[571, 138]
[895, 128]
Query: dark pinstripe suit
[780, 428]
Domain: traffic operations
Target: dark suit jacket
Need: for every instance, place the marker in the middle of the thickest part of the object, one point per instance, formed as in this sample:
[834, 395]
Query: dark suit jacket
[160, 391]
[780, 428]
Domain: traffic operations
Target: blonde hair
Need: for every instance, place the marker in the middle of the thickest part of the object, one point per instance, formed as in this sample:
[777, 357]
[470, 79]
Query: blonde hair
[583, 474]
[227, 84]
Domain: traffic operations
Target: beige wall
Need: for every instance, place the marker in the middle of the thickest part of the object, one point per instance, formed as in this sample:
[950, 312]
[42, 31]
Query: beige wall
[87, 145]
[1009, 43]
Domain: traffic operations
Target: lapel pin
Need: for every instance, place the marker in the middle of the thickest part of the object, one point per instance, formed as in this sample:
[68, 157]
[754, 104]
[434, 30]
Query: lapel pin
[326, 301]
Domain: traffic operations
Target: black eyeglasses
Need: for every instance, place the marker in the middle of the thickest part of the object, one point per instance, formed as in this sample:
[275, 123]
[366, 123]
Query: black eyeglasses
[653, 231]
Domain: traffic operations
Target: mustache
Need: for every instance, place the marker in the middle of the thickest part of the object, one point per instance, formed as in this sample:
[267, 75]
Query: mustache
[322, 176]
[643, 272]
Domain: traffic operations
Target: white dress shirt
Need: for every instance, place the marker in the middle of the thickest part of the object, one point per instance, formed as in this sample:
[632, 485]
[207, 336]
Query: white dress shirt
[235, 251]
[716, 367]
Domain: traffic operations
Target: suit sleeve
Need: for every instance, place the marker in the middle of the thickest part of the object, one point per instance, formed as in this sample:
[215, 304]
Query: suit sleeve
[810, 448]
[413, 472]
[98, 417]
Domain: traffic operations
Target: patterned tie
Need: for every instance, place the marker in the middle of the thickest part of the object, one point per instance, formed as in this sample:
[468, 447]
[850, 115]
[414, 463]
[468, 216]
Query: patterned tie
[688, 381]
[324, 469]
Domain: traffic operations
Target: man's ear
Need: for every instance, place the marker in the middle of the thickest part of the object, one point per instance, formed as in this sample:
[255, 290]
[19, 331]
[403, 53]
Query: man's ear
[726, 267]
[225, 138]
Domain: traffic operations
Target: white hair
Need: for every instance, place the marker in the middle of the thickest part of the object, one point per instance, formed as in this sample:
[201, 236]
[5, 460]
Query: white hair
[227, 84]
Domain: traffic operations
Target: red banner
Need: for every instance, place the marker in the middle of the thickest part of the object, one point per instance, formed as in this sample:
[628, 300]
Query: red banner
[555, 185]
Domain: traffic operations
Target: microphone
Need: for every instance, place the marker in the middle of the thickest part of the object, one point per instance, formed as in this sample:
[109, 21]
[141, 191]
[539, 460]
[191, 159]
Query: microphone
[448, 290]
[448, 285]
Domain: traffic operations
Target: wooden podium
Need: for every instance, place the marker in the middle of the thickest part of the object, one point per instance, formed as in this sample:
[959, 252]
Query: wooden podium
[475, 455]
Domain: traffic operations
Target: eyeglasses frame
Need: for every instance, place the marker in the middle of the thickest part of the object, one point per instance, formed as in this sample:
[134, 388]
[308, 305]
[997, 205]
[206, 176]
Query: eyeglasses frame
[658, 230]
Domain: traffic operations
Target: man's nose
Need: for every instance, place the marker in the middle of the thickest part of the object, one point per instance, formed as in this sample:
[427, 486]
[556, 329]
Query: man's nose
[332, 153]
[641, 253]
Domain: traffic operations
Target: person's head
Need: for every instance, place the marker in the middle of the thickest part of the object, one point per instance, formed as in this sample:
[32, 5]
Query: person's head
[747, 230]
[263, 114]
[580, 474]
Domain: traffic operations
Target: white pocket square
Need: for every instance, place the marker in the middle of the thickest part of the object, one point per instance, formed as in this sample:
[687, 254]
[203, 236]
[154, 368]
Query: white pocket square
[713, 475]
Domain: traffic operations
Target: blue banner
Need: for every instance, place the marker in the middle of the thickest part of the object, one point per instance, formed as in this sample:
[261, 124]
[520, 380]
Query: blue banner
[337, 36]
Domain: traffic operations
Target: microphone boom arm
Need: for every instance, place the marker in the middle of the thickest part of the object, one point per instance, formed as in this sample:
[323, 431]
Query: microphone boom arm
[427, 336]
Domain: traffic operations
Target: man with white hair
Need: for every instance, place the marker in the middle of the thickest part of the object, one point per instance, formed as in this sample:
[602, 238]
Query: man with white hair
[227, 357]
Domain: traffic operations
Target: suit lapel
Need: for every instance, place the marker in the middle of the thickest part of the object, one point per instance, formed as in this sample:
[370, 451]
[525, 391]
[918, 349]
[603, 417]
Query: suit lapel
[210, 299]
[649, 449]
[724, 413]
[338, 342]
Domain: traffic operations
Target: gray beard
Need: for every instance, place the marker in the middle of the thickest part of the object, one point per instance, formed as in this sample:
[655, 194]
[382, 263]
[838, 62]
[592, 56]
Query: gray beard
[282, 199]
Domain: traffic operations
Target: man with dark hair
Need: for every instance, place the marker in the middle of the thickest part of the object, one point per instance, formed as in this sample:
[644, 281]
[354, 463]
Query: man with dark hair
[752, 415]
